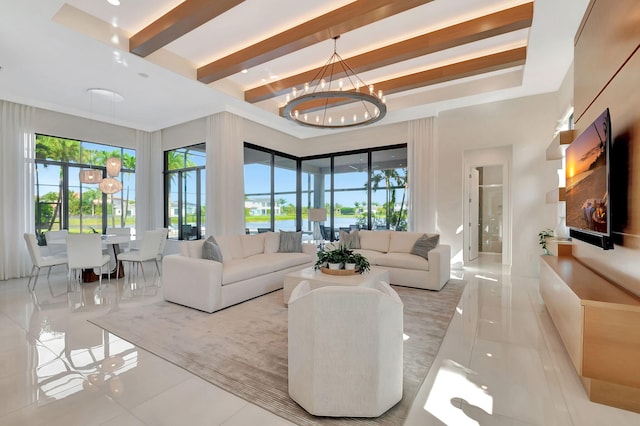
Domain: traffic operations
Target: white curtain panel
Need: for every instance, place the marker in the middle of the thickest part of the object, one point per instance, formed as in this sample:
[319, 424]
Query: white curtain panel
[225, 175]
[149, 181]
[17, 154]
[422, 152]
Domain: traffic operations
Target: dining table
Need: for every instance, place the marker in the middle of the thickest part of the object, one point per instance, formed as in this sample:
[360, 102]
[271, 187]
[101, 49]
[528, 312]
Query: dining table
[112, 243]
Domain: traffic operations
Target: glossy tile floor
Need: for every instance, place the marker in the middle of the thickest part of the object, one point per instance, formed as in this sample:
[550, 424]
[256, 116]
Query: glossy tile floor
[501, 363]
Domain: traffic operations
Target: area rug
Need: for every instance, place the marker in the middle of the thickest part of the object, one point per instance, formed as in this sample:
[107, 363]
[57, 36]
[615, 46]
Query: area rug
[243, 349]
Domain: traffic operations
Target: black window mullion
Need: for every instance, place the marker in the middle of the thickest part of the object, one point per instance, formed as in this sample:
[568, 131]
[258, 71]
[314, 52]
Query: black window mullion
[369, 166]
[273, 189]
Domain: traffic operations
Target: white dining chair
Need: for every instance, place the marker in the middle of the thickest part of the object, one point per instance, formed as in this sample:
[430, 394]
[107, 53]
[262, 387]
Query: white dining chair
[149, 249]
[40, 261]
[121, 232]
[84, 251]
[56, 242]
[163, 243]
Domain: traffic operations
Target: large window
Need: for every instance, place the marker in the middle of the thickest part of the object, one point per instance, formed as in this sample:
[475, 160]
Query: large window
[360, 189]
[270, 183]
[185, 188]
[388, 189]
[62, 201]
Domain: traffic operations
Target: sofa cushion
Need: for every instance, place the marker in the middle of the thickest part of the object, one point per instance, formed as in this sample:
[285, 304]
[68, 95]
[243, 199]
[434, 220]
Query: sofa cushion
[252, 244]
[261, 264]
[192, 248]
[280, 261]
[290, 242]
[425, 244]
[231, 246]
[211, 250]
[371, 255]
[271, 242]
[402, 242]
[374, 240]
[350, 239]
[242, 269]
[403, 260]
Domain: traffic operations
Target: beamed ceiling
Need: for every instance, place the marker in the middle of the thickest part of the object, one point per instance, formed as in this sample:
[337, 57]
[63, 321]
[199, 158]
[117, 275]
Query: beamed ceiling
[175, 61]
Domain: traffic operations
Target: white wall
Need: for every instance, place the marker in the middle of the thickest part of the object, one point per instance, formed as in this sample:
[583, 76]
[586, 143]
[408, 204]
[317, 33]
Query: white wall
[194, 132]
[69, 126]
[526, 125]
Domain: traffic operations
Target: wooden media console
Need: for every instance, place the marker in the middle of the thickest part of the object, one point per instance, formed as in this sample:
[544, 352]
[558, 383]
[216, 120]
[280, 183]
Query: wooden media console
[599, 323]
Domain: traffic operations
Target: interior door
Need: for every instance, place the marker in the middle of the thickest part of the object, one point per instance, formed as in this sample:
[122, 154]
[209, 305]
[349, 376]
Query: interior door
[474, 213]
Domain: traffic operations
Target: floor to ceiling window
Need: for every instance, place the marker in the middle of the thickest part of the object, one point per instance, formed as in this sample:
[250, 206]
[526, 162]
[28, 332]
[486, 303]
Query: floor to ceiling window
[388, 189]
[63, 201]
[360, 189]
[270, 187]
[185, 189]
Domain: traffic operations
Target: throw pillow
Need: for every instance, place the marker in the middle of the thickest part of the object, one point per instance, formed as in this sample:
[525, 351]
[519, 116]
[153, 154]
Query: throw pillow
[350, 239]
[425, 244]
[211, 250]
[290, 242]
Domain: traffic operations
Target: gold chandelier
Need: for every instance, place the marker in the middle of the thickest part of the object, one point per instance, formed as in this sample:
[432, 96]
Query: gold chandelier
[335, 98]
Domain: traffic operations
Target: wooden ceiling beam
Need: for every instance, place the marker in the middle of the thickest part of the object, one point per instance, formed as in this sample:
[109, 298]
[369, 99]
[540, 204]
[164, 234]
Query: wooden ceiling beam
[471, 67]
[347, 18]
[466, 32]
[182, 19]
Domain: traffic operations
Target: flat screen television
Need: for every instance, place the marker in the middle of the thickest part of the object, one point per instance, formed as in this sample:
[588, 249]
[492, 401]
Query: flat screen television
[587, 186]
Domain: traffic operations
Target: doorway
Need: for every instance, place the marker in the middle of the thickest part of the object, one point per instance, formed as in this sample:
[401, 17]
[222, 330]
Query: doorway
[487, 224]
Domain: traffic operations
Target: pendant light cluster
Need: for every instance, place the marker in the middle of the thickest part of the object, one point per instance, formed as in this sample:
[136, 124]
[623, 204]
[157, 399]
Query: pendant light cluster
[108, 185]
[111, 185]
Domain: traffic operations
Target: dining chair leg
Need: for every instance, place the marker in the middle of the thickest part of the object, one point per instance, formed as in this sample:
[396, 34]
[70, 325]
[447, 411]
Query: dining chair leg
[142, 268]
[157, 266]
[30, 278]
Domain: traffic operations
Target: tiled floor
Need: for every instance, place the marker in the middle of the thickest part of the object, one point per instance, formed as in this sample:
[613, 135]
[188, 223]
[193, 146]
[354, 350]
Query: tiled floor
[501, 363]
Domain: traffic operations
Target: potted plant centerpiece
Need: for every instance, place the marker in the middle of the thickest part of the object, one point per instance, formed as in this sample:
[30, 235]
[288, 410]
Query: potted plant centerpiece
[341, 258]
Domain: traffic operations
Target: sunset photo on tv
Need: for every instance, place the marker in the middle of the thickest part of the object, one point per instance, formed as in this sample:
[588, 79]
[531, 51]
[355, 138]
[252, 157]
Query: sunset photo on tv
[587, 175]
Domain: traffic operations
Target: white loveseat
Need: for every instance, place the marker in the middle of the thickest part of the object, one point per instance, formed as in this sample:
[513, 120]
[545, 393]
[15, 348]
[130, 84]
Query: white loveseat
[251, 267]
[392, 250]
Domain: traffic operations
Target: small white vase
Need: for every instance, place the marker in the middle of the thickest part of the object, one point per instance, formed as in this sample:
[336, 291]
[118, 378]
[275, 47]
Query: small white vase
[335, 265]
[561, 232]
[350, 266]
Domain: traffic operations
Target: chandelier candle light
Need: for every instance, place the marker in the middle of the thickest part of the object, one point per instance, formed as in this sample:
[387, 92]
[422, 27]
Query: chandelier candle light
[337, 86]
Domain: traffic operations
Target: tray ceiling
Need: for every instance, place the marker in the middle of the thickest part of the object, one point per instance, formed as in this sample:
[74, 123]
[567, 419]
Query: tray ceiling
[175, 61]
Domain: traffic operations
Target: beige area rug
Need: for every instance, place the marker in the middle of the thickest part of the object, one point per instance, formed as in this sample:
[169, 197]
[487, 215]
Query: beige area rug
[243, 349]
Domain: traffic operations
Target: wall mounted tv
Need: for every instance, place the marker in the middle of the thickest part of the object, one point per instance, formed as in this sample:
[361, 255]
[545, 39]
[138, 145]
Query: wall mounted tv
[587, 187]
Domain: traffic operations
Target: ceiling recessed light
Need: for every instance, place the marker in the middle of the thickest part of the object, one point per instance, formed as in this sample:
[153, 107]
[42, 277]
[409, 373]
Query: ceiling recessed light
[244, 71]
[114, 2]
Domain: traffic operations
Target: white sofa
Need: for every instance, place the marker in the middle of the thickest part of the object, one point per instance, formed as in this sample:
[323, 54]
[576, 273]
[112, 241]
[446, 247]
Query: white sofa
[392, 250]
[251, 267]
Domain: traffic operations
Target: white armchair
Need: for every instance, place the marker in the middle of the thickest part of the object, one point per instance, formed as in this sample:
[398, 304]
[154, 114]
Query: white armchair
[345, 349]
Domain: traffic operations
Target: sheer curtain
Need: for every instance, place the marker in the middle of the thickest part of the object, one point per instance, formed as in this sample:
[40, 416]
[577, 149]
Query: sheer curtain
[225, 175]
[422, 152]
[149, 181]
[17, 154]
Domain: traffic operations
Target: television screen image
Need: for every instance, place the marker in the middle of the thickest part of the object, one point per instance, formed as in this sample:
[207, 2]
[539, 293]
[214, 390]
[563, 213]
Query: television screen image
[587, 184]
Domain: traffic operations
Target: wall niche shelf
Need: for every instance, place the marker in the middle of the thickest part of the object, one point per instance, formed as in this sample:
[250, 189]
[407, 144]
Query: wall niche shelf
[558, 144]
